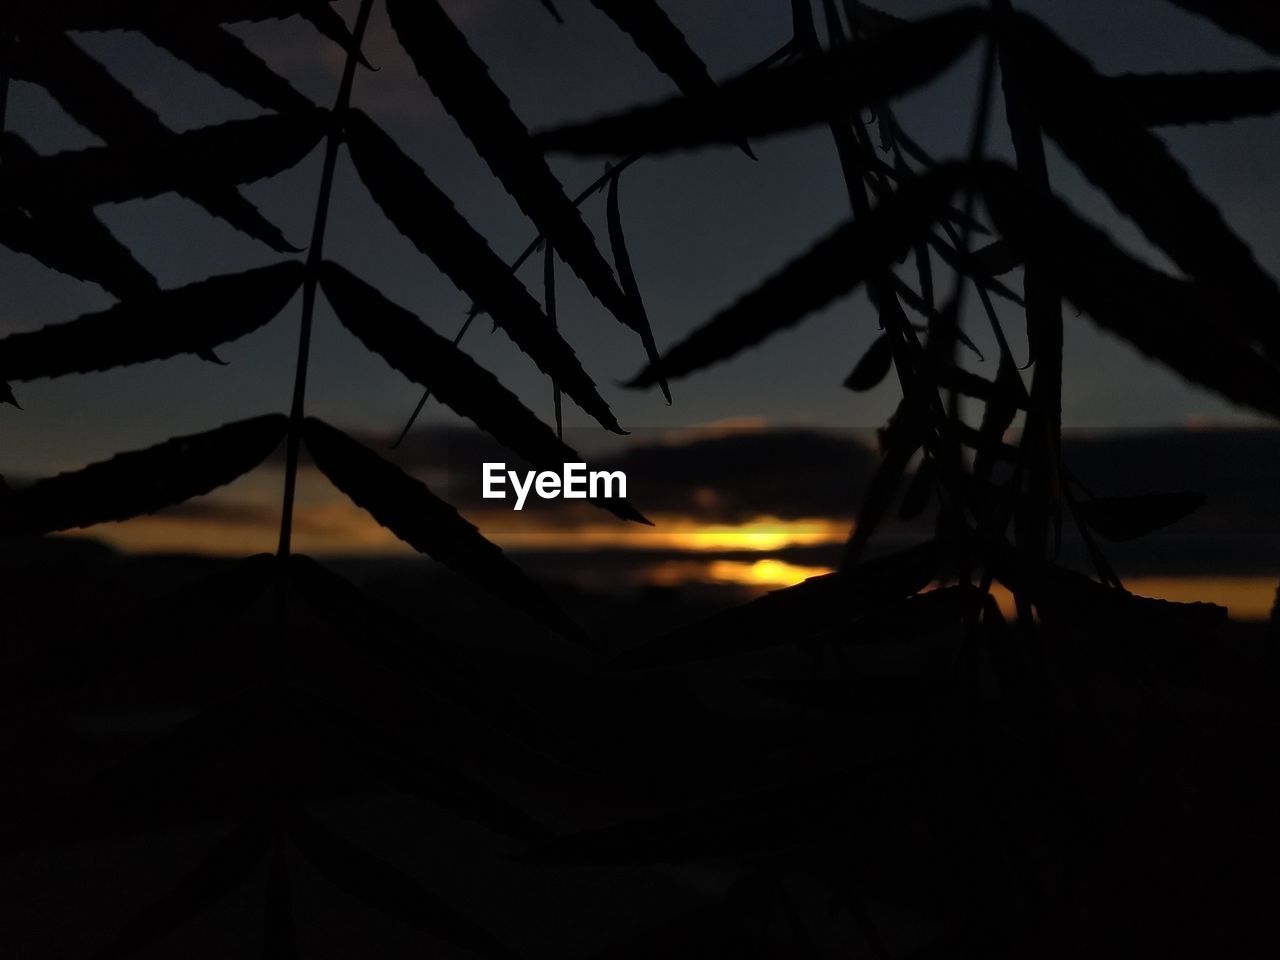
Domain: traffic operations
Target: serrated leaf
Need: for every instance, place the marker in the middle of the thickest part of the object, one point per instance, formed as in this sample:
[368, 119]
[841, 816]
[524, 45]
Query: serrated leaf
[461, 81]
[421, 519]
[1256, 20]
[1106, 141]
[1177, 322]
[226, 867]
[1128, 518]
[817, 89]
[239, 151]
[137, 14]
[1178, 99]
[191, 319]
[73, 241]
[835, 266]
[97, 101]
[635, 303]
[549, 302]
[873, 367]
[420, 211]
[141, 481]
[386, 888]
[222, 56]
[433, 361]
[653, 33]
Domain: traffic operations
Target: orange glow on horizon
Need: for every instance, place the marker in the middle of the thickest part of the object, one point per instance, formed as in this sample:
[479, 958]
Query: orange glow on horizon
[762, 534]
[766, 574]
[1246, 598]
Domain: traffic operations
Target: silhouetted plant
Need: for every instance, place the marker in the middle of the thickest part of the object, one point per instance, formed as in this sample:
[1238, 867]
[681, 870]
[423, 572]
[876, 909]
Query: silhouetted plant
[47, 213]
[1000, 505]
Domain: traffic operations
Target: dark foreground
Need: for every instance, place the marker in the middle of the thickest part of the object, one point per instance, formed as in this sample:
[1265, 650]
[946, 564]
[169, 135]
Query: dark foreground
[422, 774]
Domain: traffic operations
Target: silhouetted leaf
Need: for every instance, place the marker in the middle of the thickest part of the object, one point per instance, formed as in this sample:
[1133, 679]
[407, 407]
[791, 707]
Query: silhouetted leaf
[833, 267]
[869, 21]
[662, 42]
[138, 14]
[141, 481]
[190, 319]
[427, 217]
[635, 303]
[1180, 323]
[6, 396]
[462, 83]
[239, 151]
[966, 382]
[386, 888]
[1111, 147]
[549, 300]
[73, 241]
[1177, 99]
[103, 105]
[874, 365]
[814, 90]
[1127, 518]
[995, 259]
[1256, 20]
[227, 866]
[431, 360]
[418, 517]
[223, 56]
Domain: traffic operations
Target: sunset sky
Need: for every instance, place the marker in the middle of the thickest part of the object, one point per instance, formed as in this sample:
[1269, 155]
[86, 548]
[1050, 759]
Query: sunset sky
[701, 228]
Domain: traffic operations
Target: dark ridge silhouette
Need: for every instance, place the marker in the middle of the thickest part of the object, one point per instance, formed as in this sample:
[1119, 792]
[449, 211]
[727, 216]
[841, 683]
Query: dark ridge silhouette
[880, 761]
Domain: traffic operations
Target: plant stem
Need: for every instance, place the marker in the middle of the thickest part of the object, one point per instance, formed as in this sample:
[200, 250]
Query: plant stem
[595, 186]
[315, 256]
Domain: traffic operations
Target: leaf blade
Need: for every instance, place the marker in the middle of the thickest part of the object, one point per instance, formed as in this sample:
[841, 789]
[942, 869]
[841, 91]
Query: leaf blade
[431, 360]
[418, 517]
[191, 319]
[141, 481]
[814, 90]
[833, 267]
[422, 212]
[461, 81]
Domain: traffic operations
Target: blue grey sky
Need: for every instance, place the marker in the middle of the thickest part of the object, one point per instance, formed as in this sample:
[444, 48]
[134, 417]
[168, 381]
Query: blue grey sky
[701, 227]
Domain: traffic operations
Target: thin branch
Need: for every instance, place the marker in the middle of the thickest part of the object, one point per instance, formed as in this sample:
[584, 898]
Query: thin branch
[315, 256]
[782, 53]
